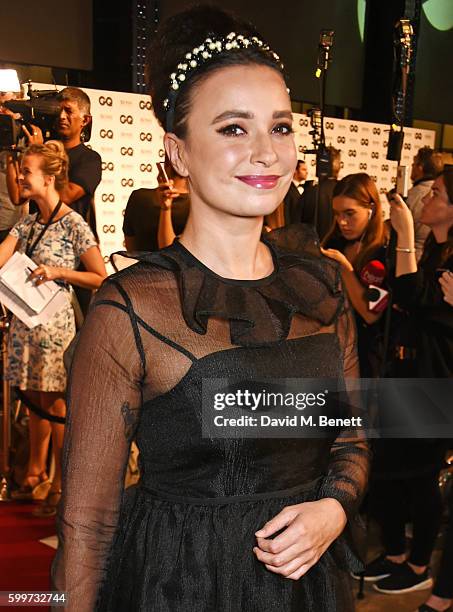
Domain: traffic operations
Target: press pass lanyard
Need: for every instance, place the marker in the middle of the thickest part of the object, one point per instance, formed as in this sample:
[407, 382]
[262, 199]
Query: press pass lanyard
[29, 249]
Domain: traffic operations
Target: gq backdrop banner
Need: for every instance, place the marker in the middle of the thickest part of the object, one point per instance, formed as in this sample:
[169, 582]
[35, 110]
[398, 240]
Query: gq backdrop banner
[129, 139]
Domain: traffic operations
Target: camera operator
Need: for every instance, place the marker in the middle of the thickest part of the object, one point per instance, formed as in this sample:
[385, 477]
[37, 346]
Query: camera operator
[84, 164]
[85, 169]
[11, 210]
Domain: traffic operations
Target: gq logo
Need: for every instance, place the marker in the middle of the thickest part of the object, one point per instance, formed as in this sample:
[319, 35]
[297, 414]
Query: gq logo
[126, 119]
[105, 101]
[341, 139]
[106, 133]
[108, 197]
[354, 128]
[329, 125]
[363, 166]
[364, 141]
[109, 229]
[352, 153]
[127, 151]
[142, 104]
[127, 182]
[418, 135]
[303, 122]
[108, 166]
[377, 131]
[374, 155]
[385, 167]
[407, 146]
[146, 167]
[146, 136]
[161, 153]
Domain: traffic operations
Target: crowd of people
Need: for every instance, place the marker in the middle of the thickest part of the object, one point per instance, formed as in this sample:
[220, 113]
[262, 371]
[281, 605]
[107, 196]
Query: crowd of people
[244, 268]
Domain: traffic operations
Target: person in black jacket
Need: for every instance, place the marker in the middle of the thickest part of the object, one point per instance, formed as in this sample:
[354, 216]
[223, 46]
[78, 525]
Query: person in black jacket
[408, 470]
[319, 212]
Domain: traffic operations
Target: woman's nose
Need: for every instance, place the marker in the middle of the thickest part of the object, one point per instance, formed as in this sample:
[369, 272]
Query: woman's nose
[263, 151]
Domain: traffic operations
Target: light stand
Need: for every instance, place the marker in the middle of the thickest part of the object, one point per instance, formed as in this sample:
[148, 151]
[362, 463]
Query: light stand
[323, 158]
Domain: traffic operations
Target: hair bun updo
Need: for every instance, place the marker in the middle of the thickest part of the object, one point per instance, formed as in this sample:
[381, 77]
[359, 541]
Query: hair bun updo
[179, 35]
[54, 160]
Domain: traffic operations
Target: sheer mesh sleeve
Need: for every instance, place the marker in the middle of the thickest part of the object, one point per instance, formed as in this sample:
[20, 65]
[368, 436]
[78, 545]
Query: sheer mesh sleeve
[349, 461]
[103, 405]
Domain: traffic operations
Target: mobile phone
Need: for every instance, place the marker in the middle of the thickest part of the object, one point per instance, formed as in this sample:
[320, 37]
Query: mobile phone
[402, 180]
[162, 172]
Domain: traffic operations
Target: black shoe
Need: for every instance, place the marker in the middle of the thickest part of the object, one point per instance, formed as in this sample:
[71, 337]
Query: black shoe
[404, 580]
[378, 569]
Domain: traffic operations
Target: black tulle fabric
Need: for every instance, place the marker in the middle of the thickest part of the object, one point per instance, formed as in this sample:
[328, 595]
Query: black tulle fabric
[183, 538]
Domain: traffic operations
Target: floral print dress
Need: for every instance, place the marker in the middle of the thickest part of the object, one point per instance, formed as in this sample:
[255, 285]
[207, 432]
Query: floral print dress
[36, 355]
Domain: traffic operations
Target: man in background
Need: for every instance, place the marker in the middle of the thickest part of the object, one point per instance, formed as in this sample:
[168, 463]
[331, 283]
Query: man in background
[292, 210]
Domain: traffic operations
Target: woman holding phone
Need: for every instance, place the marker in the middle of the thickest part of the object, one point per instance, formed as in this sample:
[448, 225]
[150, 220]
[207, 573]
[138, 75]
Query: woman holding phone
[215, 524]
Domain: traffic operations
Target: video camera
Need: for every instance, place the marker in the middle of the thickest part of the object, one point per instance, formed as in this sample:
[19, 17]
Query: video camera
[41, 109]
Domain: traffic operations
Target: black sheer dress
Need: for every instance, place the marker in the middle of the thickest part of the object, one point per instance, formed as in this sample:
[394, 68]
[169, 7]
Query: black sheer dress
[183, 540]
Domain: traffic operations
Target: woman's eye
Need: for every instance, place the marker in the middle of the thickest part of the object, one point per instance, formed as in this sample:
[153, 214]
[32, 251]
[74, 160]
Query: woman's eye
[283, 128]
[231, 130]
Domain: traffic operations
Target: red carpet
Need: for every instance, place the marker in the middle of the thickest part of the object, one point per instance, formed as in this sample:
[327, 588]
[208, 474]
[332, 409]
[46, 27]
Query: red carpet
[24, 561]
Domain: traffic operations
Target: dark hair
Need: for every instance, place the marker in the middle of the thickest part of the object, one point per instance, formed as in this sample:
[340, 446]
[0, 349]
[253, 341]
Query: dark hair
[299, 162]
[74, 94]
[335, 158]
[176, 37]
[430, 242]
[448, 180]
[361, 188]
[430, 161]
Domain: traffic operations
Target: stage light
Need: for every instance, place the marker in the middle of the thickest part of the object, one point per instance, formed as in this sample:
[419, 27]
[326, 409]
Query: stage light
[9, 81]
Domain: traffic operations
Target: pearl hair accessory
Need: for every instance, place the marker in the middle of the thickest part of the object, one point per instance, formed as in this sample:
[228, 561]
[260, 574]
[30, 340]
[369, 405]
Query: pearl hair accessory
[202, 54]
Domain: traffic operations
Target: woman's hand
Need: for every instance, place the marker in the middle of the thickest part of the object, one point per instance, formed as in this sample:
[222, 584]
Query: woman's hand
[166, 194]
[43, 274]
[311, 527]
[446, 283]
[401, 217]
[338, 256]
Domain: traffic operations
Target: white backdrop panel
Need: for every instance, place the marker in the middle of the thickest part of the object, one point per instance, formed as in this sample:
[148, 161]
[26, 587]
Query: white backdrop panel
[129, 139]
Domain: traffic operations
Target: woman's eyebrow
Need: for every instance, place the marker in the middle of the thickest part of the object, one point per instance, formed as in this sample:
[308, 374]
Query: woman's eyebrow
[238, 114]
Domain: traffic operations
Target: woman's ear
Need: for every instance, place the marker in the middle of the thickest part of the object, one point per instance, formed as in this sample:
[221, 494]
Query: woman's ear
[175, 149]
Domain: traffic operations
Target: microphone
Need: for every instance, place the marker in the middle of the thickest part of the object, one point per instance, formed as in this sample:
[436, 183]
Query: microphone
[378, 298]
[372, 275]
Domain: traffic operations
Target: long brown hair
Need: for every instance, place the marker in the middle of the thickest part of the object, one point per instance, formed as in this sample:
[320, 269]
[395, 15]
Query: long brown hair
[361, 188]
[447, 249]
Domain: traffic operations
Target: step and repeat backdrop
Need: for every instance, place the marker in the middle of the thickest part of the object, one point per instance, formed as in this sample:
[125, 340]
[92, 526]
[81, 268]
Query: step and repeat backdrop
[127, 136]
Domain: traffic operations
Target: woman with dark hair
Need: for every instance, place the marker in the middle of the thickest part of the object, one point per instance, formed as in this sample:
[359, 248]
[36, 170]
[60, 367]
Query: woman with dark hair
[222, 524]
[410, 468]
[357, 240]
[57, 239]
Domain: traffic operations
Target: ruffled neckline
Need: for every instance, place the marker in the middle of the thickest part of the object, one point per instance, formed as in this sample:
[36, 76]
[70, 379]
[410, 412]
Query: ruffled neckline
[259, 311]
